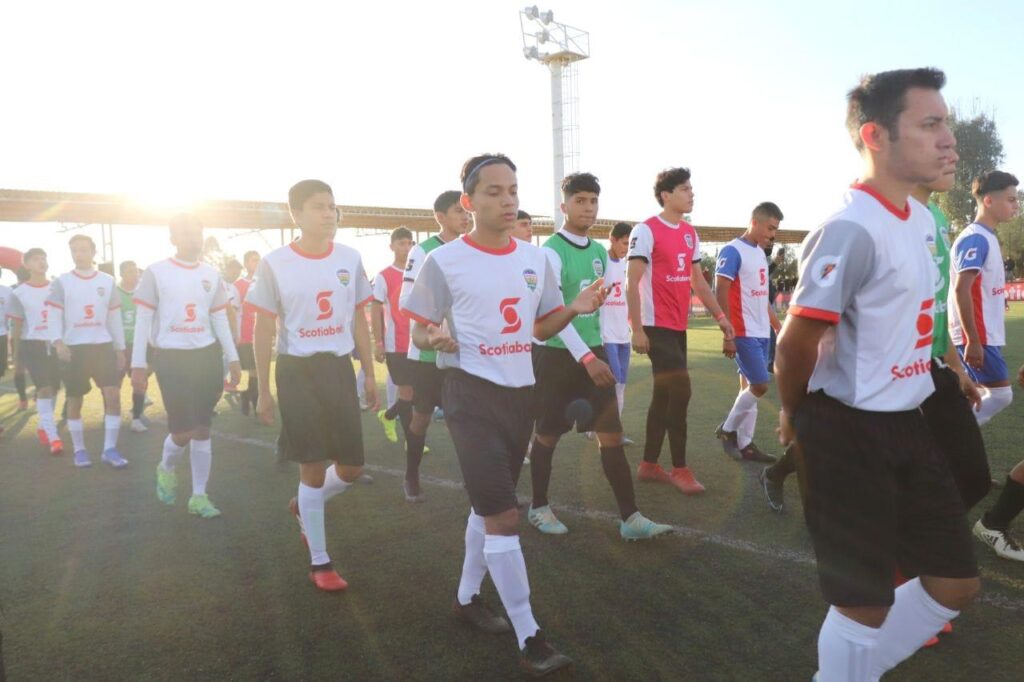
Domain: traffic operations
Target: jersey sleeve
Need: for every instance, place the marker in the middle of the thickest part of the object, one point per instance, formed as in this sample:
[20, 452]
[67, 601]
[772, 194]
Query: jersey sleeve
[56, 297]
[970, 253]
[430, 299]
[15, 310]
[413, 265]
[364, 292]
[836, 262]
[729, 261]
[696, 246]
[263, 294]
[380, 289]
[641, 243]
[550, 296]
[220, 296]
[146, 294]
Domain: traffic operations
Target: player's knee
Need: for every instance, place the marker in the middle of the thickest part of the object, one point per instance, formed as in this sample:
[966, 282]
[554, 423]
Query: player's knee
[349, 473]
[547, 441]
[956, 594]
[503, 523]
[758, 390]
[609, 440]
[419, 423]
[1001, 397]
[201, 433]
[181, 439]
[405, 392]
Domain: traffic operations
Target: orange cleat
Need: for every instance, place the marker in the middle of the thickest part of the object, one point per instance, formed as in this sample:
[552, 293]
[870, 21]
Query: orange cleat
[946, 629]
[682, 478]
[930, 643]
[43, 439]
[293, 507]
[327, 579]
[652, 472]
[56, 447]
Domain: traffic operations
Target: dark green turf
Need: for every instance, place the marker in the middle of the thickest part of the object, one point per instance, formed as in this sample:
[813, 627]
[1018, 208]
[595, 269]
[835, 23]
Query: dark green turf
[100, 581]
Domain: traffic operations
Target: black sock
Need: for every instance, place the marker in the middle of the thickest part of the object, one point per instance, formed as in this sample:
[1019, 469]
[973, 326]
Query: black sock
[656, 426]
[252, 389]
[413, 455]
[404, 410]
[1007, 507]
[778, 472]
[21, 385]
[616, 470]
[138, 404]
[676, 421]
[540, 472]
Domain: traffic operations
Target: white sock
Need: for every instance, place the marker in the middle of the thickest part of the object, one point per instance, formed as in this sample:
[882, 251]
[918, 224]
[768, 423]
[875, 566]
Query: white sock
[311, 509]
[474, 566]
[846, 649]
[392, 392]
[361, 385]
[44, 408]
[77, 431]
[201, 456]
[172, 453]
[913, 619]
[507, 567]
[744, 401]
[333, 484]
[994, 401]
[111, 427]
[620, 396]
[745, 430]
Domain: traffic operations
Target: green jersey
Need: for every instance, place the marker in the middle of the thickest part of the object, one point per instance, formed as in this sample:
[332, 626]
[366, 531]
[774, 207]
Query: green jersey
[580, 267]
[940, 335]
[127, 315]
[412, 269]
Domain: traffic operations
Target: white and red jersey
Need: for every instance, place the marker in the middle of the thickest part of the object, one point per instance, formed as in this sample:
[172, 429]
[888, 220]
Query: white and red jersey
[490, 300]
[387, 288]
[614, 315]
[977, 248]
[746, 265]
[28, 304]
[85, 302]
[670, 252]
[183, 297]
[868, 271]
[314, 298]
[235, 304]
[6, 294]
[247, 316]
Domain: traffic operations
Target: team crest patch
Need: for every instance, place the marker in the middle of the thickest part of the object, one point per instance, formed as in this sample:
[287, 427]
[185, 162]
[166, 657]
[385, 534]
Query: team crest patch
[101, 291]
[344, 276]
[825, 271]
[598, 267]
[207, 285]
[932, 247]
[530, 277]
[688, 238]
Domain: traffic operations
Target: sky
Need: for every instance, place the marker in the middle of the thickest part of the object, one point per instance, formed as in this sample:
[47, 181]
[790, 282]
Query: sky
[239, 100]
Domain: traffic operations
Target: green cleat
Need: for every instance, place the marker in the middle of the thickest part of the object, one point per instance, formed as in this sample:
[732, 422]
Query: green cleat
[390, 430]
[200, 505]
[166, 484]
[639, 527]
[544, 520]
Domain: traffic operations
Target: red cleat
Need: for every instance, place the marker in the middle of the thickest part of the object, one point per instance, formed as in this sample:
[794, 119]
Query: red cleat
[946, 629]
[43, 439]
[930, 643]
[682, 478]
[328, 580]
[293, 507]
[652, 472]
[57, 448]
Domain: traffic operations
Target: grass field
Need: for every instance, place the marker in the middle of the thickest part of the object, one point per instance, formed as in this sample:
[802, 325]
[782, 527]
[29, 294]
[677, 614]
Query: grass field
[100, 581]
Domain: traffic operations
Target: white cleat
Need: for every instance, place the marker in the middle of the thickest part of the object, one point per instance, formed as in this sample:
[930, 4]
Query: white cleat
[1000, 542]
[138, 427]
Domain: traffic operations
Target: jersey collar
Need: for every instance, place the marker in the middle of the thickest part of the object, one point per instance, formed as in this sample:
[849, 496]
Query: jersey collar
[902, 214]
[486, 249]
[184, 264]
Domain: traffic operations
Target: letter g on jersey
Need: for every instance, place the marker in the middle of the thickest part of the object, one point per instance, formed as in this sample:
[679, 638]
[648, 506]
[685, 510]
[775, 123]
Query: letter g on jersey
[825, 270]
[323, 304]
[510, 315]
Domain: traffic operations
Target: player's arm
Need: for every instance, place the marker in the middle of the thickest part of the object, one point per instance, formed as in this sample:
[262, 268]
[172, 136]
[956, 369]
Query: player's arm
[967, 385]
[550, 323]
[795, 356]
[773, 319]
[263, 349]
[361, 334]
[115, 326]
[429, 336]
[231, 313]
[55, 320]
[377, 328]
[143, 332]
[634, 274]
[707, 297]
[16, 340]
[974, 354]
[723, 285]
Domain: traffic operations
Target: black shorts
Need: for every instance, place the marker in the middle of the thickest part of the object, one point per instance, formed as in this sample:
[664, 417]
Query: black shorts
[879, 495]
[90, 362]
[3, 352]
[427, 383]
[41, 363]
[560, 381]
[490, 426]
[957, 435]
[668, 349]
[246, 358]
[191, 382]
[400, 369]
[320, 415]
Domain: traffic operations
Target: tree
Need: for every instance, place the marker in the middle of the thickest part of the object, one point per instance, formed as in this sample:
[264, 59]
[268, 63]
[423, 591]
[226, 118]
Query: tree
[980, 149]
[1011, 239]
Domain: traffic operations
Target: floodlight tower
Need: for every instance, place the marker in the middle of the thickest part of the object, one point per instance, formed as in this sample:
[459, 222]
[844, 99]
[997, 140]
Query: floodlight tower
[559, 47]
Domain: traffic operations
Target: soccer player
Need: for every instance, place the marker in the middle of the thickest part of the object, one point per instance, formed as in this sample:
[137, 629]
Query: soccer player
[427, 378]
[5, 297]
[615, 332]
[391, 334]
[852, 369]
[742, 289]
[180, 313]
[977, 302]
[573, 366]
[487, 386]
[662, 252]
[32, 344]
[88, 336]
[126, 292]
[993, 527]
[312, 293]
[247, 322]
[524, 226]
[19, 367]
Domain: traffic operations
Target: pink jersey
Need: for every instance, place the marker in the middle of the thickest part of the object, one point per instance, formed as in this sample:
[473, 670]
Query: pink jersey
[670, 252]
[248, 313]
[387, 286]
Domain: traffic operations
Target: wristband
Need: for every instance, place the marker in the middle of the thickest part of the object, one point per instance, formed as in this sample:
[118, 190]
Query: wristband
[587, 359]
[719, 317]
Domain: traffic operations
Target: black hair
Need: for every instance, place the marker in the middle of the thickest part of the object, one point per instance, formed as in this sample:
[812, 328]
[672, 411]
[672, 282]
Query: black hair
[523, 215]
[400, 233]
[767, 209]
[82, 238]
[470, 174]
[34, 251]
[124, 266]
[621, 230]
[992, 181]
[668, 180]
[250, 254]
[446, 200]
[575, 183]
[881, 97]
[22, 274]
[301, 192]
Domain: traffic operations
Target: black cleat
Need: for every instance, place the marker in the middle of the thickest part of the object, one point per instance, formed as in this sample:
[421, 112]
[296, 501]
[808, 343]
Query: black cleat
[539, 658]
[775, 492]
[477, 614]
[729, 444]
[752, 453]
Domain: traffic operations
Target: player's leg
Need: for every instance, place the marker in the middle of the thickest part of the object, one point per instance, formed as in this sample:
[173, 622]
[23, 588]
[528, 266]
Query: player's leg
[44, 370]
[427, 384]
[104, 372]
[206, 394]
[138, 399]
[557, 377]
[994, 378]
[993, 527]
[657, 412]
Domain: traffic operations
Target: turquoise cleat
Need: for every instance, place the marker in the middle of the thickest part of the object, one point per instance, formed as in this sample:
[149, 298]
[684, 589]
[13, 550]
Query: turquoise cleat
[639, 527]
[200, 505]
[544, 520]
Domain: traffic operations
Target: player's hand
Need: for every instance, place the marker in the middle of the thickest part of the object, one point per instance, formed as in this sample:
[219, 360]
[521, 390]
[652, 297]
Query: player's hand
[234, 374]
[265, 407]
[787, 434]
[600, 373]
[378, 352]
[974, 355]
[727, 331]
[63, 352]
[440, 340]
[971, 390]
[729, 348]
[372, 398]
[140, 382]
[591, 298]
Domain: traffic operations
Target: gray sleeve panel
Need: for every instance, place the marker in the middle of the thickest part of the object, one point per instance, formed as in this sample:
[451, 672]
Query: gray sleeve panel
[837, 261]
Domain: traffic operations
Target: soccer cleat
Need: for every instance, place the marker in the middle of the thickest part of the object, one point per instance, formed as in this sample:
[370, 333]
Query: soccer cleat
[639, 527]
[682, 478]
[752, 453]
[412, 497]
[166, 485]
[438, 414]
[426, 450]
[946, 629]
[327, 579]
[293, 507]
[56, 447]
[147, 401]
[112, 457]
[729, 444]
[201, 506]
[648, 471]
[138, 426]
[82, 460]
[363, 405]
[1000, 542]
[774, 492]
[365, 479]
[539, 658]
[930, 643]
[43, 438]
[480, 616]
[544, 520]
[627, 441]
[390, 430]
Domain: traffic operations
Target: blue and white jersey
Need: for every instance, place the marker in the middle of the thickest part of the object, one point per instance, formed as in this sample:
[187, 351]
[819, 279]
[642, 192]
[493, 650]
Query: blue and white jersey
[747, 266]
[977, 248]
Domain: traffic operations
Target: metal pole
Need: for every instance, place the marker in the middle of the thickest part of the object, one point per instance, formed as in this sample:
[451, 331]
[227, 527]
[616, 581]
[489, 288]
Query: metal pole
[556, 134]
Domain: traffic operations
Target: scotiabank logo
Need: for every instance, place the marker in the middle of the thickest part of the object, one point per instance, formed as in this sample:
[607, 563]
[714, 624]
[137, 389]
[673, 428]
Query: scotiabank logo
[505, 349]
[998, 291]
[763, 278]
[916, 369]
[190, 312]
[925, 324]
[507, 307]
[323, 304]
[90, 311]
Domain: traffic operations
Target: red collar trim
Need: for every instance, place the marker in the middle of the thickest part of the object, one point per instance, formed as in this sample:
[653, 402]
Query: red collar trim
[183, 264]
[486, 249]
[311, 256]
[889, 206]
[36, 286]
[94, 273]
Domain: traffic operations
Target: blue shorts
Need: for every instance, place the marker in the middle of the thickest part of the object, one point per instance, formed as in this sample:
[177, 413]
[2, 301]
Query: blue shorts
[993, 371]
[752, 358]
[618, 360]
